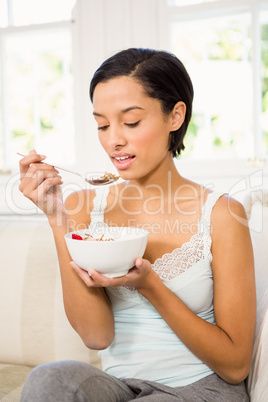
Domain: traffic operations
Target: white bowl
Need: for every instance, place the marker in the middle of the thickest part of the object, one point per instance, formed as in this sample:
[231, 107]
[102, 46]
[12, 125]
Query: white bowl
[110, 258]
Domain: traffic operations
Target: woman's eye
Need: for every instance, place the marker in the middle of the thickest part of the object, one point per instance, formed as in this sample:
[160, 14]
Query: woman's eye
[103, 127]
[132, 124]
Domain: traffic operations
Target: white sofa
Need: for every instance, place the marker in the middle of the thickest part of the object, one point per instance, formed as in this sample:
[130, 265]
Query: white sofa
[34, 328]
[256, 206]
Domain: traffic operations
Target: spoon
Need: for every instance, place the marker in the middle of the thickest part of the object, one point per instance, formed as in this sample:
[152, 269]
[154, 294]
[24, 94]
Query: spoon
[107, 178]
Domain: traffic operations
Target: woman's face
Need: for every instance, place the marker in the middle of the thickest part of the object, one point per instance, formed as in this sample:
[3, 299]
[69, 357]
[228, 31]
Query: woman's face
[132, 127]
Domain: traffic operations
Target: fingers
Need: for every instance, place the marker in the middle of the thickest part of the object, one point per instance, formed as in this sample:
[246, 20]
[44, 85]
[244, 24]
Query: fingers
[40, 183]
[102, 280]
[38, 195]
[134, 278]
[141, 263]
[39, 177]
[91, 277]
[25, 162]
[50, 181]
[35, 174]
[82, 273]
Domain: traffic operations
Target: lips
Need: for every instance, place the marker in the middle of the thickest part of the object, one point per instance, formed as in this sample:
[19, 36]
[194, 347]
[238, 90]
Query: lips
[122, 158]
[123, 161]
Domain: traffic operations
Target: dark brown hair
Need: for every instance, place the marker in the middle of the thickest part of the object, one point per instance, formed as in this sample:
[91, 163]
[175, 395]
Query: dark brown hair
[163, 77]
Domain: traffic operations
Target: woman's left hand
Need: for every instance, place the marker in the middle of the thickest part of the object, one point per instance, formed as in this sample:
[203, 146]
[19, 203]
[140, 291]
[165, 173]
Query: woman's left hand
[140, 276]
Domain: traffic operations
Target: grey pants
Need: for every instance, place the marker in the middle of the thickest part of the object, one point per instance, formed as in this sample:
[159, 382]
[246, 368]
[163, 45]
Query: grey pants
[72, 381]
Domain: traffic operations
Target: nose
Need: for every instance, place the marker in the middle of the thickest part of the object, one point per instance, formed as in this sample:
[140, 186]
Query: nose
[116, 137]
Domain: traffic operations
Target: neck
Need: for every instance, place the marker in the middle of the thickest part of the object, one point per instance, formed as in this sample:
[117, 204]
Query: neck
[163, 179]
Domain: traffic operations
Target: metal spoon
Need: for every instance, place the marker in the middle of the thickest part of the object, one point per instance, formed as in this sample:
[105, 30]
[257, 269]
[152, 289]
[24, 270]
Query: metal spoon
[107, 178]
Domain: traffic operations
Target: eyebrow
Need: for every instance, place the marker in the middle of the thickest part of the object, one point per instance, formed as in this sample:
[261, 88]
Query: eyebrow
[128, 109]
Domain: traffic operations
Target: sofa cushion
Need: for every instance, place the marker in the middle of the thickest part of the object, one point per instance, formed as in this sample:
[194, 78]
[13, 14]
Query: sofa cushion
[259, 234]
[12, 378]
[34, 328]
[257, 380]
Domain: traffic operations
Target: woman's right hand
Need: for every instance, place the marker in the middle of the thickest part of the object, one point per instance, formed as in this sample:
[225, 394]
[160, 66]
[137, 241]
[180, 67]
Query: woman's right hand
[40, 183]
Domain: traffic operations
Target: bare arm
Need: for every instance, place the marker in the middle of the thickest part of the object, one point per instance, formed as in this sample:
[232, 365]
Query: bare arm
[227, 346]
[88, 310]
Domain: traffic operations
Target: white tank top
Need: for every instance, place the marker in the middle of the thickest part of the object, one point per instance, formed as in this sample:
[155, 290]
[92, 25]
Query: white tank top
[144, 346]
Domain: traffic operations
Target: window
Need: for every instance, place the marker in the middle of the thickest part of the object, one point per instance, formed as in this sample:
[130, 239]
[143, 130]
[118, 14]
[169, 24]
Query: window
[40, 11]
[264, 52]
[224, 48]
[26, 12]
[36, 80]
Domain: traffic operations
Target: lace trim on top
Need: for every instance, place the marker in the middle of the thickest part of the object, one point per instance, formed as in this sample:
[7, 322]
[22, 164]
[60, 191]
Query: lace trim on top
[170, 265]
[197, 248]
[180, 259]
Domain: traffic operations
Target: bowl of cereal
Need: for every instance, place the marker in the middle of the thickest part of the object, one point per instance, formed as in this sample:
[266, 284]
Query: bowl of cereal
[111, 250]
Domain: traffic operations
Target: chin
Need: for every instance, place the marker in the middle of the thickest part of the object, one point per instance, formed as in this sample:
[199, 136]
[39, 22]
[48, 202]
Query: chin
[126, 176]
[132, 176]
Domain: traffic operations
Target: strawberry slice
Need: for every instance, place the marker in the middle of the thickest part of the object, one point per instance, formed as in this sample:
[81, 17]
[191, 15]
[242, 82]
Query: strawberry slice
[76, 237]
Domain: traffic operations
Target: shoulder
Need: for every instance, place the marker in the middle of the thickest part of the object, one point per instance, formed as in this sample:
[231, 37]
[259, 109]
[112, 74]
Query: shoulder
[229, 227]
[228, 211]
[79, 198]
[192, 193]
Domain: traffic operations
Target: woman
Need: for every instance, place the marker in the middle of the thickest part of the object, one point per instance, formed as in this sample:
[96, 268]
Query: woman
[180, 325]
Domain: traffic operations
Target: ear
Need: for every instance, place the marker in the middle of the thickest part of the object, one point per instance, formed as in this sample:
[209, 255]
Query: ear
[177, 116]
